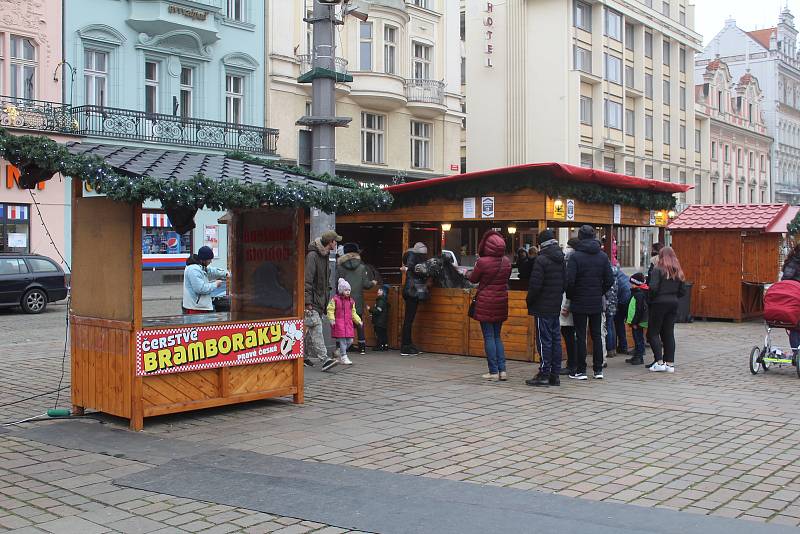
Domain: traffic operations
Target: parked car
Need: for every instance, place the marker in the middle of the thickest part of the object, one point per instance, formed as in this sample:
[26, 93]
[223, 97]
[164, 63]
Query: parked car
[30, 281]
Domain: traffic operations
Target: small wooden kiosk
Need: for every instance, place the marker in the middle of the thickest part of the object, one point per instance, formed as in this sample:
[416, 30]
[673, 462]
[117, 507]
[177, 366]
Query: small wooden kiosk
[536, 196]
[134, 367]
[729, 252]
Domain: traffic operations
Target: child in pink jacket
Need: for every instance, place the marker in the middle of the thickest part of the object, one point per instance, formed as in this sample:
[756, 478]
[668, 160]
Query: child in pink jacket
[343, 316]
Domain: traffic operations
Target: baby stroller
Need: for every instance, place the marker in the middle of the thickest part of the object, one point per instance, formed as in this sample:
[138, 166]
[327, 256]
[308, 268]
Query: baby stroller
[781, 310]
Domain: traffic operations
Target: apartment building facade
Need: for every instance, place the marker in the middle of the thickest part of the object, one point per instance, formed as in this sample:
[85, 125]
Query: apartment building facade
[740, 147]
[404, 99]
[771, 56]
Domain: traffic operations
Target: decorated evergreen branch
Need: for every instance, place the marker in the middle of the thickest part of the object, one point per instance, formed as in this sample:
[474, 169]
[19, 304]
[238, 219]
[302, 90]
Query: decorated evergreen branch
[552, 186]
[39, 158]
[794, 226]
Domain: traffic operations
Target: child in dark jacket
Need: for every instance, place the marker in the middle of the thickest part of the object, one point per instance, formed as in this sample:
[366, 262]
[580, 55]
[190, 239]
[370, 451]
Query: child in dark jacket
[380, 318]
[637, 317]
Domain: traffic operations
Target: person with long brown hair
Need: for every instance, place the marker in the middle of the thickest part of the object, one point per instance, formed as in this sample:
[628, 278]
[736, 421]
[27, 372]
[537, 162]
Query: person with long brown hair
[666, 287]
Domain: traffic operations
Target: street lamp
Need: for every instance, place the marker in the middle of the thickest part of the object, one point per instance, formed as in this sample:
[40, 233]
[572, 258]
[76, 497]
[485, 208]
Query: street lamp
[446, 227]
[512, 230]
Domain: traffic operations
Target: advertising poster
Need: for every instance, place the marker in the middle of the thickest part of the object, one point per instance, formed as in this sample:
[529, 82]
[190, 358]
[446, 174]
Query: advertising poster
[211, 238]
[177, 350]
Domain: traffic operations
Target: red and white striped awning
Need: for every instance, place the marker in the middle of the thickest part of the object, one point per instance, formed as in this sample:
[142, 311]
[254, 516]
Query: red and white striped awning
[155, 220]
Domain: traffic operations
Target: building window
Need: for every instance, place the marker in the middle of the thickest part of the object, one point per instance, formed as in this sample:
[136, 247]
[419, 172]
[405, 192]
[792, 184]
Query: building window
[763, 197]
[613, 115]
[666, 133]
[583, 59]
[463, 70]
[630, 122]
[629, 36]
[609, 165]
[739, 158]
[666, 51]
[713, 150]
[682, 59]
[727, 155]
[683, 98]
[95, 77]
[761, 167]
[720, 102]
[309, 33]
[586, 110]
[23, 67]
[665, 174]
[648, 127]
[420, 145]
[613, 24]
[713, 192]
[697, 141]
[752, 162]
[421, 62]
[365, 46]
[752, 195]
[15, 228]
[648, 172]
[665, 8]
[583, 16]
[629, 77]
[151, 87]
[630, 168]
[425, 4]
[683, 177]
[234, 99]
[236, 9]
[587, 160]
[648, 44]
[682, 18]
[648, 85]
[613, 69]
[463, 20]
[390, 52]
[187, 86]
[666, 92]
[372, 135]
[682, 136]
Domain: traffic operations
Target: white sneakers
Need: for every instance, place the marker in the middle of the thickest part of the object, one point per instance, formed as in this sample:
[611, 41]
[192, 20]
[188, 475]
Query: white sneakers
[662, 368]
[491, 376]
[344, 360]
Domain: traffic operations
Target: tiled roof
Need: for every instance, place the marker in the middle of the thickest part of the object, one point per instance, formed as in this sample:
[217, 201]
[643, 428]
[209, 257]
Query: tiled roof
[158, 163]
[762, 36]
[731, 217]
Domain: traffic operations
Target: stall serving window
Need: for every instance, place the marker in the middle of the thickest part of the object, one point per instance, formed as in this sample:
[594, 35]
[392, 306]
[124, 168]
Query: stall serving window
[162, 246]
[15, 233]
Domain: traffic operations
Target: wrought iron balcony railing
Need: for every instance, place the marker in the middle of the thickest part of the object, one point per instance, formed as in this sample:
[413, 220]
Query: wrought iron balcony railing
[100, 121]
[426, 91]
[307, 63]
[27, 114]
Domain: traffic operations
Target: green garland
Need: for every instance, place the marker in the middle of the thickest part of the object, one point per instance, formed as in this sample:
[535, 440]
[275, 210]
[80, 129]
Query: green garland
[551, 186]
[40, 158]
[794, 226]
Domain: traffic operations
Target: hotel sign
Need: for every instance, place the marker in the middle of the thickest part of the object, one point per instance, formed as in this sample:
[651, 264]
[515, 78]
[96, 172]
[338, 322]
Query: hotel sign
[488, 23]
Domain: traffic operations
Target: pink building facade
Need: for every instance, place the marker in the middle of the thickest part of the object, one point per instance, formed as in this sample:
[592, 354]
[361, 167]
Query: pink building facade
[31, 103]
[740, 146]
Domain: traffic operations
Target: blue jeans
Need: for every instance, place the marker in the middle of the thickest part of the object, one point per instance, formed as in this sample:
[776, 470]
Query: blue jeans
[493, 345]
[794, 340]
[548, 337]
[638, 340]
[611, 334]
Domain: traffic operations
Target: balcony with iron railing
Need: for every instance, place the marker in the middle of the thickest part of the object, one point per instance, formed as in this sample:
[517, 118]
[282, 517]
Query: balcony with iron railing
[116, 123]
[307, 63]
[425, 97]
[38, 115]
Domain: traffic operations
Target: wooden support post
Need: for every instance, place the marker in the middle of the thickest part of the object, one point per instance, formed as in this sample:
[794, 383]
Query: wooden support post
[137, 387]
[299, 396]
[77, 407]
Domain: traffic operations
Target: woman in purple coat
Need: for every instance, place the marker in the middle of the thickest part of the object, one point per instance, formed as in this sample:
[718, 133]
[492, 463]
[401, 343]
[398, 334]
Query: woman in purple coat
[491, 273]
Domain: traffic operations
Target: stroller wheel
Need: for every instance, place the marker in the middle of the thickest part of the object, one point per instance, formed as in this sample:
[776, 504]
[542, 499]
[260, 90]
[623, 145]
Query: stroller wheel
[755, 360]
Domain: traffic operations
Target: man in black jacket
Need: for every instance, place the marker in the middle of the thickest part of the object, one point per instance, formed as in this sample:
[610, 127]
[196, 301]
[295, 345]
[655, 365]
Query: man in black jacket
[589, 277]
[545, 293]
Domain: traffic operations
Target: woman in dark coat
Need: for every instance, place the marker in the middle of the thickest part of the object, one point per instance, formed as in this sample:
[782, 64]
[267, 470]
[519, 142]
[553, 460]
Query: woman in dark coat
[524, 265]
[491, 307]
[791, 271]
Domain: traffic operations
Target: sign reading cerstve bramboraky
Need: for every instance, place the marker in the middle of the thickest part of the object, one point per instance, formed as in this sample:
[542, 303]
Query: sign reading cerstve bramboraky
[195, 348]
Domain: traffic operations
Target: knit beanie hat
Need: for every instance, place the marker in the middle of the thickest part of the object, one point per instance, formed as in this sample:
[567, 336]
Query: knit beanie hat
[342, 286]
[205, 253]
[546, 235]
[586, 232]
[420, 248]
[637, 279]
[349, 248]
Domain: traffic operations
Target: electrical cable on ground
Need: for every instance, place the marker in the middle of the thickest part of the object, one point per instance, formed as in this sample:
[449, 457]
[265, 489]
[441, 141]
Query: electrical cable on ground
[34, 397]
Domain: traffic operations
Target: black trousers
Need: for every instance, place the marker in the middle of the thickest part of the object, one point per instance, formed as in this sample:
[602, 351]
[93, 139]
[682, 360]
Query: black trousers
[568, 333]
[381, 336]
[408, 320]
[661, 330]
[594, 321]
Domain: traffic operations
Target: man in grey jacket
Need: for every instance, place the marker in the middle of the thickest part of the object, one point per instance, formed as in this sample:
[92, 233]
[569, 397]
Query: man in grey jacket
[317, 293]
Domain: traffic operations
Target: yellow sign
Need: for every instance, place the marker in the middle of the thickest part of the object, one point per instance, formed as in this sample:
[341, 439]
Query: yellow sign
[661, 218]
[559, 210]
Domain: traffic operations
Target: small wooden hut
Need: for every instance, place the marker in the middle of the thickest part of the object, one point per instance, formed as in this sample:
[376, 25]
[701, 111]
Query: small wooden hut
[729, 252]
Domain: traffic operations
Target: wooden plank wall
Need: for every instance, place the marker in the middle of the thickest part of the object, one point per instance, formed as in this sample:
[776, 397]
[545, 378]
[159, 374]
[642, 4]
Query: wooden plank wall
[101, 361]
[761, 258]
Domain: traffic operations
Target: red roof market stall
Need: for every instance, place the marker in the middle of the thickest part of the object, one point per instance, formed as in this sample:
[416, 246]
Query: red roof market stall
[453, 212]
[730, 252]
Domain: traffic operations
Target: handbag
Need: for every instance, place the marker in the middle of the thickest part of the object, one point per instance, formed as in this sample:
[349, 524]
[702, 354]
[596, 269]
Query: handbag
[473, 304]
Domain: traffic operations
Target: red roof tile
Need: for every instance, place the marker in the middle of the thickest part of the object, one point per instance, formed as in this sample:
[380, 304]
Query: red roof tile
[762, 36]
[732, 217]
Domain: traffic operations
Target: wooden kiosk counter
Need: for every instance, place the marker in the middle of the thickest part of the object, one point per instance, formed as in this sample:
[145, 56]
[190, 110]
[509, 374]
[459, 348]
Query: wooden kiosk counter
[454, 211]
[134, 367]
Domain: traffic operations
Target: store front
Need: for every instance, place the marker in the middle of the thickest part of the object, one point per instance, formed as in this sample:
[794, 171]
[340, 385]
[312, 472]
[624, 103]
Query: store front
[15, 228]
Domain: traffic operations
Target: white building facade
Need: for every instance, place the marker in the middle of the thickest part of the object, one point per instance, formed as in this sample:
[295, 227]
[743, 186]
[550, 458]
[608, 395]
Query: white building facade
[404, 99]
[740, 146]
[770, 55]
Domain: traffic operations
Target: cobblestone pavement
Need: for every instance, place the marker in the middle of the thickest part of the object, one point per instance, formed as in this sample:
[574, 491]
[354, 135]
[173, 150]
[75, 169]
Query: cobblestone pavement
[710, 439]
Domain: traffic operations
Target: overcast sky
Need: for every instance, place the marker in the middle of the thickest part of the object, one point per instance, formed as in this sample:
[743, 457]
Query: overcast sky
[710, 15]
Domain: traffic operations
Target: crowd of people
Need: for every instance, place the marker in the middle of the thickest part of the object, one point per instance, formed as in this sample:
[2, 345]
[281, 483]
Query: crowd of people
[576, 293]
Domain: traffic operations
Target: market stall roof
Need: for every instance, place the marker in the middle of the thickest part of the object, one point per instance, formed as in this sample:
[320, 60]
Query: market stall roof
[183, 165]
[769, 218]
[550, 170]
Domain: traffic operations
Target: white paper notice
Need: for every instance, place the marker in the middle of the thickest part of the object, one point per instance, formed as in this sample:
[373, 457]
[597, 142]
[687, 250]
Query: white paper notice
[469, 208]
[617, 214]
[17, 240]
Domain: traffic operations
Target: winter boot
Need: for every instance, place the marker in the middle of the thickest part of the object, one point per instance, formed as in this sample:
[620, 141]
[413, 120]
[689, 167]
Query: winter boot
[554, 380]
[362, 347]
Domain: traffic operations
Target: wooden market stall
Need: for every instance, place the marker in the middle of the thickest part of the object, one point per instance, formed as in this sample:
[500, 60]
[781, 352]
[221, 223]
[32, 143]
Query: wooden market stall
[729, 252]
[131, 366]
[525, 198]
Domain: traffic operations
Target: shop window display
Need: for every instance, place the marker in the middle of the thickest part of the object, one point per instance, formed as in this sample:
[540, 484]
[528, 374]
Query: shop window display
[15, 228]
[162, 246]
